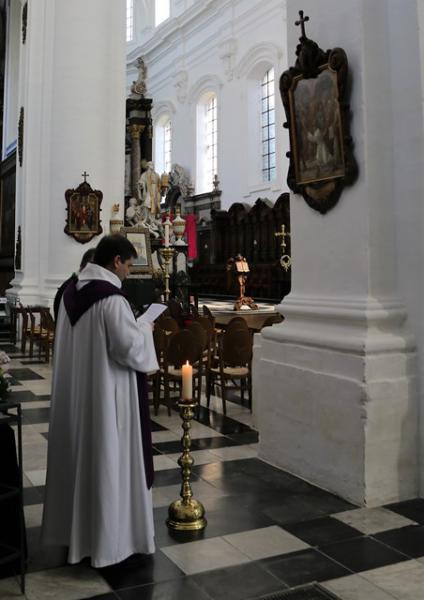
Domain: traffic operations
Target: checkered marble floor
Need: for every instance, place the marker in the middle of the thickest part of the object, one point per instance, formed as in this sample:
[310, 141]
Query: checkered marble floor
[267, 532]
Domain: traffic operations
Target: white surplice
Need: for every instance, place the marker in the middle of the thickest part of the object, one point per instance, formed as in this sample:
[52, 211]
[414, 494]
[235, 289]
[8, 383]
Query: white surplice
[97, 501]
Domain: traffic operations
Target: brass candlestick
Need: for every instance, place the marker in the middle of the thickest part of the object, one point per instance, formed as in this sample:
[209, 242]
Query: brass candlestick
[186, 514]
[167, 254]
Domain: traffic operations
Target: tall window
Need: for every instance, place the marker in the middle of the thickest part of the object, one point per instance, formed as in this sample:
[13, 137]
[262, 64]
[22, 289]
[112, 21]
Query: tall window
[268, 126]
[162, 11]
[211, 141]
[163, 145]
[130, 20]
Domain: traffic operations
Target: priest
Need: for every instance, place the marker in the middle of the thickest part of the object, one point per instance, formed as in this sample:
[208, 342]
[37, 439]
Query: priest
[100, 468]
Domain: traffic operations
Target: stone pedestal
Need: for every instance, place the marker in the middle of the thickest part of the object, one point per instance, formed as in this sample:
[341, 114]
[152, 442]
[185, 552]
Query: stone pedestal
[335, 383]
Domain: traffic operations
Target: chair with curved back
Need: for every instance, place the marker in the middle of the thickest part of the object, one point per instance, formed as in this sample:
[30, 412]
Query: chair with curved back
[207, 313]
[168, 324]
[176, 311]
[235, 363]
[46, 335]
[26, 327]
[34, 313]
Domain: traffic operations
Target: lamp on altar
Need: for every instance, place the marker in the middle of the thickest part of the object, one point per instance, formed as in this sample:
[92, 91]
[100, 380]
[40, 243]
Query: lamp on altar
[187, 379]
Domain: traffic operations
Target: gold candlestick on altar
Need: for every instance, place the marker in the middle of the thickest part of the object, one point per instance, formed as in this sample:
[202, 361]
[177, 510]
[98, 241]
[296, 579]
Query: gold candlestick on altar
[167, 254]
[187, 514]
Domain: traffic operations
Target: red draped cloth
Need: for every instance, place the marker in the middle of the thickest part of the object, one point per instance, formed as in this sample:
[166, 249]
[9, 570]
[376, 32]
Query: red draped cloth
[191, 235]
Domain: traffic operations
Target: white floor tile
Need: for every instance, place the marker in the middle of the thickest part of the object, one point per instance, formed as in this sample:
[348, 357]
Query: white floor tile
[355, 587]
[205, 555]
[404, 581]
[33, 515]
[37, 477]
[373, 520]
[66, 583]
[265, 542]
[162, 462]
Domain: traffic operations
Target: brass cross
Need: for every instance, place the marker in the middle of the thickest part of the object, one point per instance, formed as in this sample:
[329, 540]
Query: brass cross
[302, 22]
[85, 175]
[283, 234]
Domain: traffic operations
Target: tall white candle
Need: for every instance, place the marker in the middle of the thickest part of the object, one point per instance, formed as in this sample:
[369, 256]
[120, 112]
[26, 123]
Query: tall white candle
[187, 376]
[166, 235]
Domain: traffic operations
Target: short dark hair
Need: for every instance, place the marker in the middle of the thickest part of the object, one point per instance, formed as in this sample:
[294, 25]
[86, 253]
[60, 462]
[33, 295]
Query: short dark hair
[111, 246]
[87, 257]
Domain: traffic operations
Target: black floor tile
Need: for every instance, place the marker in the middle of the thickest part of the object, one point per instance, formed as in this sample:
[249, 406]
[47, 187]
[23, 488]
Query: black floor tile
[247, 437]
[412, 509]
[34, 495]
[234, 519]
[220, 423]
[294, 508]
[214, 442]
[40, 556]
[110, 596]
[238, 483]
[140, 570]
[156, 427]
[177, 589]
[172, 447]
[239, 583]
[218, 470]
[36, 415]
[25, 374]
[324, 530]
[170, 477]
[362, 554]
[408, 540]
[22, 396]
[46, 435]
[12, 381]
[304, 567]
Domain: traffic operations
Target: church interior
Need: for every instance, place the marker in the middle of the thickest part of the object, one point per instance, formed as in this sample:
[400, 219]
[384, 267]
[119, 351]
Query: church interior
[266, 160]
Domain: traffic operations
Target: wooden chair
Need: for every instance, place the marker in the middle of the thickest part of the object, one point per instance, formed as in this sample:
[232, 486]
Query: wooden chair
[34, 313]
[46, 334]
[207, 313]
[168, 324]
[235, 363]
[182, 347]
[26, 327]
[176, 311]
[237, 323]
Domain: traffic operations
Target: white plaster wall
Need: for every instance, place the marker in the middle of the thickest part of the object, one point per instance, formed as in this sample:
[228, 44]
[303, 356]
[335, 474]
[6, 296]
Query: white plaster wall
[217, 45]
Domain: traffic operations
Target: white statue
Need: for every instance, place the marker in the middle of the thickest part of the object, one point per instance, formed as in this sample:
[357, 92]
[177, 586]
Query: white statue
[149, 187]
[133, 212]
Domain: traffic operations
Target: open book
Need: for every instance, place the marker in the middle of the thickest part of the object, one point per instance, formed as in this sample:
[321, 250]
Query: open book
[152, 313]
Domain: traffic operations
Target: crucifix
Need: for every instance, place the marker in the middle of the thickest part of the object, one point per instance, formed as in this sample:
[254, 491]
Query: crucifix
[302, 22]
[283, 234]
[285, 260]
[85, 175]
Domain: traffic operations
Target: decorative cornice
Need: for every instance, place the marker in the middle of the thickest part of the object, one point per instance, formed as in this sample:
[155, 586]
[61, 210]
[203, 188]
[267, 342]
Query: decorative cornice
[227, 52]
[164, 107]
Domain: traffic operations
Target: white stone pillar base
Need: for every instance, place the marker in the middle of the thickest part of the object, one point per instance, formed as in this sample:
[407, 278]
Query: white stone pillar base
[345, 412]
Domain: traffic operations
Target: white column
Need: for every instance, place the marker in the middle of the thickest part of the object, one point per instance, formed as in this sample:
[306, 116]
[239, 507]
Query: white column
[335, 391]
[72, 87]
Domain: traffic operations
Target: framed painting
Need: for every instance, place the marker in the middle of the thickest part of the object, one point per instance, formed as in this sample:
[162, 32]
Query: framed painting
[314, 95]
[83, 212]
[140, 239]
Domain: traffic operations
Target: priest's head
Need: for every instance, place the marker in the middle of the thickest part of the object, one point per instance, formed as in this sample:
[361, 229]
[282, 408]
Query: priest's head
[116, 254]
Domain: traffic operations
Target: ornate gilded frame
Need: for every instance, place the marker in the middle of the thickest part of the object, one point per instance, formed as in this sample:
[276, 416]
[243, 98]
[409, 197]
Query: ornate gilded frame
[83, 213]
[140, 238]
[314, 94]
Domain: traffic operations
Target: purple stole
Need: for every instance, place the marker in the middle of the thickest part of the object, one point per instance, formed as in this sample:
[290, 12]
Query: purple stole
[77, 302]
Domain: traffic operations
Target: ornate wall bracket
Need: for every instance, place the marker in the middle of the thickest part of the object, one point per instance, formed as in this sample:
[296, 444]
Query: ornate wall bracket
[314, 93]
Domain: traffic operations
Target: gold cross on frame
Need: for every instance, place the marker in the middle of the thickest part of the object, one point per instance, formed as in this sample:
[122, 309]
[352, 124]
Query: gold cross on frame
[283, 234]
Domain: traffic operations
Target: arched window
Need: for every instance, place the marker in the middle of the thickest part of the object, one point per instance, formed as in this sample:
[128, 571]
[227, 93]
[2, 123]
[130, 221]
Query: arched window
[268, 126]
[162, 11]
[207, 142]
[130, 20]
[163, 145]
